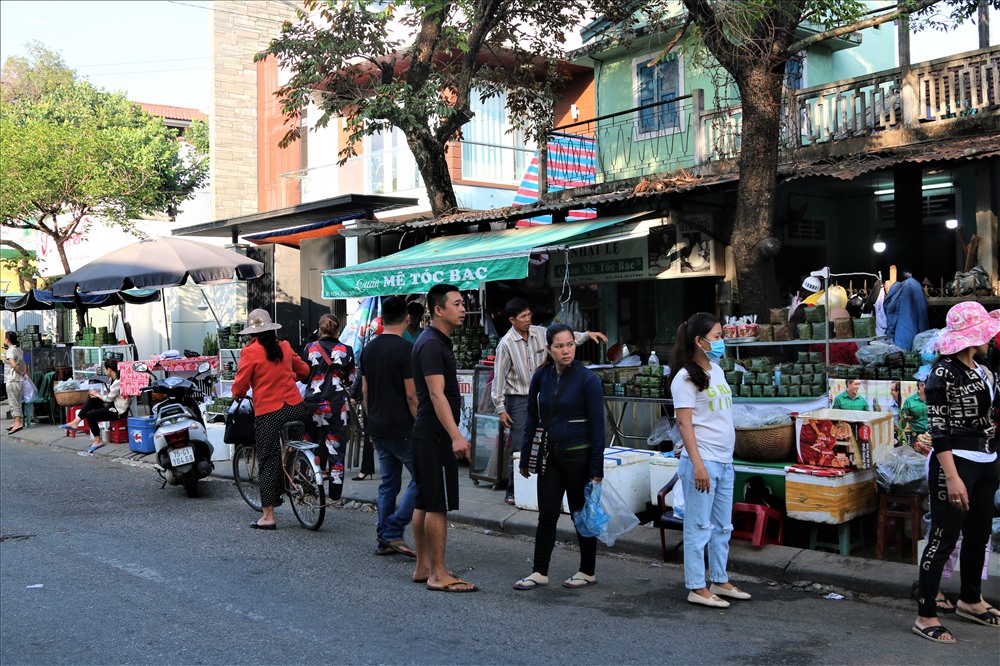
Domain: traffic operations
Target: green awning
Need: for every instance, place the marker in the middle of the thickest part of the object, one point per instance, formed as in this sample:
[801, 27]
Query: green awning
[465, 261]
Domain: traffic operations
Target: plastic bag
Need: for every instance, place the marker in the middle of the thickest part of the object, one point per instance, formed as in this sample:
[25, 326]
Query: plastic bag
[678, 495]
[620, 516]
[903, 472]
[591, 519]
[924, 342]
[28, 390]
[876, 352]
[757, 416]
[66, 385]
[665, 430]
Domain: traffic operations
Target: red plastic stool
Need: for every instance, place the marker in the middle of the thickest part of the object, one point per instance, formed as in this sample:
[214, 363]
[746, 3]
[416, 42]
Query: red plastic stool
[755, 521]
[72, 415]
[118, 431]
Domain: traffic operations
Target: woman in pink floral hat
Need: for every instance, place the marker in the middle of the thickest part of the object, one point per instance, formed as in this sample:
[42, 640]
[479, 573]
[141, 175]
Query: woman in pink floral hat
[963, 473]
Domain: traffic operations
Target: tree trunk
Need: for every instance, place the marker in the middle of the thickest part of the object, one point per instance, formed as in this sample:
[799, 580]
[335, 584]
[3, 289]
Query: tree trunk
[760, 92]
[432, 162]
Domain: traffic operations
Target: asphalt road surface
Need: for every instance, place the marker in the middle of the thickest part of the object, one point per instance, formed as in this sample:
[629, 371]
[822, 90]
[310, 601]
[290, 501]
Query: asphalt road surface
[98, 565]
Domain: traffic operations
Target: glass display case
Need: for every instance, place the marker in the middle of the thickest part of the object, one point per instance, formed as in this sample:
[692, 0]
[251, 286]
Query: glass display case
[88, 362]
[490, 440]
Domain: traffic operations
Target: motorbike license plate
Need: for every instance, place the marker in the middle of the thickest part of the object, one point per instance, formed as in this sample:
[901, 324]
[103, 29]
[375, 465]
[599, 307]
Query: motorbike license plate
[181, 456]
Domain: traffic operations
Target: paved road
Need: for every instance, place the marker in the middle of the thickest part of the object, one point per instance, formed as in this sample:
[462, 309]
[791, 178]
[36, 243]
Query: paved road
[130, 573]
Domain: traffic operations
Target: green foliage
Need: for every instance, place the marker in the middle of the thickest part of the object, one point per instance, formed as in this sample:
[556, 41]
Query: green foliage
[72, 150]
[210, 346]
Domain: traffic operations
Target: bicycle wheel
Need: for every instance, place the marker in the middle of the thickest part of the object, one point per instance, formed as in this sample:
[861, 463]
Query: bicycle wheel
[305, 490]
[245, 475]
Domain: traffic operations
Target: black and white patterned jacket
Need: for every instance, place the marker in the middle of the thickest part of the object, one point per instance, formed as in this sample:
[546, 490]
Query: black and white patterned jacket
[959, 405]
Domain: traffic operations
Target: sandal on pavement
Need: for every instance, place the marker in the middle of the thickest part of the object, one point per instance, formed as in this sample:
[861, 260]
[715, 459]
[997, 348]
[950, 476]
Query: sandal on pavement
[451, 587]
[94, 447]
[13, 430]
[985, 618]
[712, 601]
[731, 592]
[579, 579]
[531, 582]
[943, 604]
[402, 548]
[934, 633]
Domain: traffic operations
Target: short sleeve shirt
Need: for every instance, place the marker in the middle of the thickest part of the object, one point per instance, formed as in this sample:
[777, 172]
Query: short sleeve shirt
[713, 413]
[433, 355]
[844, 401]
[387, 365]
[9, 374]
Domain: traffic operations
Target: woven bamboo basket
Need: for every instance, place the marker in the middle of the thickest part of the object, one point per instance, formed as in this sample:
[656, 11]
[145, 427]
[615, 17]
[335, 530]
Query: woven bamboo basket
[70, 398]
[774, 443]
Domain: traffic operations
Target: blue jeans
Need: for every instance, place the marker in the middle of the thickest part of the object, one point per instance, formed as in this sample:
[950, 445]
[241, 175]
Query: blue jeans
[708, 521]
[393, 455]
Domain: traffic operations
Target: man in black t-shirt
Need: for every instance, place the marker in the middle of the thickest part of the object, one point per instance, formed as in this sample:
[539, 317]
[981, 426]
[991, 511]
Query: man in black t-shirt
[437, 441]
[390, 402]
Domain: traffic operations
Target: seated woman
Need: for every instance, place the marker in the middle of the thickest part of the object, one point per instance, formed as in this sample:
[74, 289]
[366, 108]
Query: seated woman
[107, 406]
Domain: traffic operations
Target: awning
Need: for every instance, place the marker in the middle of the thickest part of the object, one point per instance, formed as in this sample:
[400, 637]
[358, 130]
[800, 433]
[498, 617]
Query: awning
[293, 237]
[465, 261]
[43, 299]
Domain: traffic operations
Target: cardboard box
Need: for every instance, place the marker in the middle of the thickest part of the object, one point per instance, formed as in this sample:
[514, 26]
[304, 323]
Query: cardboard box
[831, 500]
[843, 438]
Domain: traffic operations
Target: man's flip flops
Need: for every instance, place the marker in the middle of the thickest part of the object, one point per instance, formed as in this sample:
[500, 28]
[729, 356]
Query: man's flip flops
[451, 587]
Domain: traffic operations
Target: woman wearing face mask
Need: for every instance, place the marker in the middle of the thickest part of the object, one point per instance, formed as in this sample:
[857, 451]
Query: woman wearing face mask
[962, 475]
[703, 405]
[567, 399]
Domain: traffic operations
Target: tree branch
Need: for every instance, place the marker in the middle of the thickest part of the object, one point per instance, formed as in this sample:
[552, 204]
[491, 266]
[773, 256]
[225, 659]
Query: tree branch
[857, 26]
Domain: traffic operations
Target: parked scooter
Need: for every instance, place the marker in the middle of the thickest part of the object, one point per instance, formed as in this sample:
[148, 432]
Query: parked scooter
[180, 439]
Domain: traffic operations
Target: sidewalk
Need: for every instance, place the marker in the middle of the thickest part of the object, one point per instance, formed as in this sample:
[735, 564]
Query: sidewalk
[484, 508]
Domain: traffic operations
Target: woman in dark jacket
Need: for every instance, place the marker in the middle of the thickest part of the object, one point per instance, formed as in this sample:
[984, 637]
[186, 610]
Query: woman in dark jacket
[567, 400]
[269, 367]
[963, 470]
[331, 375]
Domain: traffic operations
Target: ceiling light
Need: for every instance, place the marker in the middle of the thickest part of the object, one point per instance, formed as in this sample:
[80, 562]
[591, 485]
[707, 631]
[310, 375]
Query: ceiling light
[925, 188]
[879, 244]
[951, 224]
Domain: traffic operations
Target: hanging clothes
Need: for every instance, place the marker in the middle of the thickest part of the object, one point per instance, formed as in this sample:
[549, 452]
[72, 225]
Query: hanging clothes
[905, 312]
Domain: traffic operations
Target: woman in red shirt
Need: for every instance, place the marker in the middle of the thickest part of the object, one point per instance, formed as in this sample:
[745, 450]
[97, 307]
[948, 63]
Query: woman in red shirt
[270, 368]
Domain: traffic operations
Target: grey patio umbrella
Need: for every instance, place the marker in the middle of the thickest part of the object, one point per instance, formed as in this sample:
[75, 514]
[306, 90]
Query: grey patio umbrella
[156, 264]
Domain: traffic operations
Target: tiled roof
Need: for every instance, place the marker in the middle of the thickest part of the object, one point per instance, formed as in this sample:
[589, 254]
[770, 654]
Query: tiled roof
[172, 112]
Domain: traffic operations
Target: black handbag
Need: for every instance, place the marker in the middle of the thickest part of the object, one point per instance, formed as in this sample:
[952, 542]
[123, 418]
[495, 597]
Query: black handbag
[541, 448]
[239, 425]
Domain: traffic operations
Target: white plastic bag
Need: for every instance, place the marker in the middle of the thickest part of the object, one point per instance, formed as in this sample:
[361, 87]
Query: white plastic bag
[621, 518]
[28, 390]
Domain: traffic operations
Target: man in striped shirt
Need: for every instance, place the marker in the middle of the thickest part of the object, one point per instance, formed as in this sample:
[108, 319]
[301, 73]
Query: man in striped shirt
[519, 353]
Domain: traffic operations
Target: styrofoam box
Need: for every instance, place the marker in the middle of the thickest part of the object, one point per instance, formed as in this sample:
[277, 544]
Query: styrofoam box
[627, 470]
[662, 468]
[221, 450]
[833, 500]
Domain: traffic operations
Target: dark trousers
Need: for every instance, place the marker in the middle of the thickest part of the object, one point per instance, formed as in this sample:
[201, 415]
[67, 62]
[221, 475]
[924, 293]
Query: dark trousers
[94, 411]
[367, 456]
[267, 433]
[567, 472]
[948, 521]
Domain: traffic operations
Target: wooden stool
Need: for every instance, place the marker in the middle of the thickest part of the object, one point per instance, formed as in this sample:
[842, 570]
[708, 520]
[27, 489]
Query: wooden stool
[891, 510]
[845, 543]
[755, 520]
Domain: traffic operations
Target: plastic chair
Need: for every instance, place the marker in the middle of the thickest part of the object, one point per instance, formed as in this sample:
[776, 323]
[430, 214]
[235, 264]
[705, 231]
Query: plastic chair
[668, 521]
[44, 398]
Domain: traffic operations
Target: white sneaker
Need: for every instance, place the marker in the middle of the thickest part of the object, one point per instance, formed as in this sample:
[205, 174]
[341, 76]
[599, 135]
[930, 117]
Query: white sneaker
[712, 601]
[732, 593]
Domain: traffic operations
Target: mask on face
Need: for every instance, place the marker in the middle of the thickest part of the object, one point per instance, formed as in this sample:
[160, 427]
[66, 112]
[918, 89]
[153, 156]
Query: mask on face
[717, 351]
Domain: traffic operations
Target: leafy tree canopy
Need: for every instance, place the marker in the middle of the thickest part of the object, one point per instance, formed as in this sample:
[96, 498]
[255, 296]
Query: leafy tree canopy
[416, 67]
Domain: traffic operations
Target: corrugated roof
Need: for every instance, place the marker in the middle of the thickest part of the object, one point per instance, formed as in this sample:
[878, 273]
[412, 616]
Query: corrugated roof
[172, 112]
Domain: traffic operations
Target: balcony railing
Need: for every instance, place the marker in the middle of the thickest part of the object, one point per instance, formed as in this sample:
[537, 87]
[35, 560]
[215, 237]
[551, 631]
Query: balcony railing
[935, 91]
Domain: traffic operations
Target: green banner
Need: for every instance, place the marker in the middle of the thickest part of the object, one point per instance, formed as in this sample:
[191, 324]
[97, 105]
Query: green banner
[418, 279]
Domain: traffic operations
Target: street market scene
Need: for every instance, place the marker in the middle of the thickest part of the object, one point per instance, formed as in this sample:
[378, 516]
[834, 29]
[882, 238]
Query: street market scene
[325, 306]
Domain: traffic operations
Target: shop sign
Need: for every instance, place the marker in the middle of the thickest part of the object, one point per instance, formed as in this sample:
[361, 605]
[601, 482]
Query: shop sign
[412, 280]
[614, 261]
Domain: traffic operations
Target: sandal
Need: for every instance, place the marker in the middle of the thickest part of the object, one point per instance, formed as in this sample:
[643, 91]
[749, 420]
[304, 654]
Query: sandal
[529, 583]
[943, 604]
[579, 580]
[934, 633]
[985, 618]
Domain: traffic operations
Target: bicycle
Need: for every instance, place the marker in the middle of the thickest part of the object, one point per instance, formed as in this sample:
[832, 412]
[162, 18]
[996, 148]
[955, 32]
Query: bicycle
[303, 478]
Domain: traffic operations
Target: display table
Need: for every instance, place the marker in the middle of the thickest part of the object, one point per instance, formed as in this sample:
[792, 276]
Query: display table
[132, 381]
[616, 406]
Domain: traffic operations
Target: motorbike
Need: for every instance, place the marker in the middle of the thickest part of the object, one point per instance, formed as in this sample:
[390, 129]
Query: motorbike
[180, 439]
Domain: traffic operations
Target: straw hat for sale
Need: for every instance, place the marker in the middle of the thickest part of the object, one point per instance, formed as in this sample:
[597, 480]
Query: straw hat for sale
[259, 321]
[968, 325]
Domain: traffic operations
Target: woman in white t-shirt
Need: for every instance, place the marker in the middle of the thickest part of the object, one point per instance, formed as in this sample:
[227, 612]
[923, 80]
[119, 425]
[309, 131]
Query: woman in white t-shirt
[703, 404]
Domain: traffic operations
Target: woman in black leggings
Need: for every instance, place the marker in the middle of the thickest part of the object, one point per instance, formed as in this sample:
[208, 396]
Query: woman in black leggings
[567, 400]
[963, 472]
[107, 406]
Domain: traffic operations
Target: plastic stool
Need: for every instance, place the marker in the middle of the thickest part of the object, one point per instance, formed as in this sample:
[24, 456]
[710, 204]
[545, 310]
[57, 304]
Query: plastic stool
[845, 543]
[755, 520]
[72, 415]
[891, 510]
[118, 431]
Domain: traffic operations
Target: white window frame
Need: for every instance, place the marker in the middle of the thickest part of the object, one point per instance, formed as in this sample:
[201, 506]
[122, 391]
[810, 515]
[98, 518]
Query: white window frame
[681, 113]
[512, 162]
